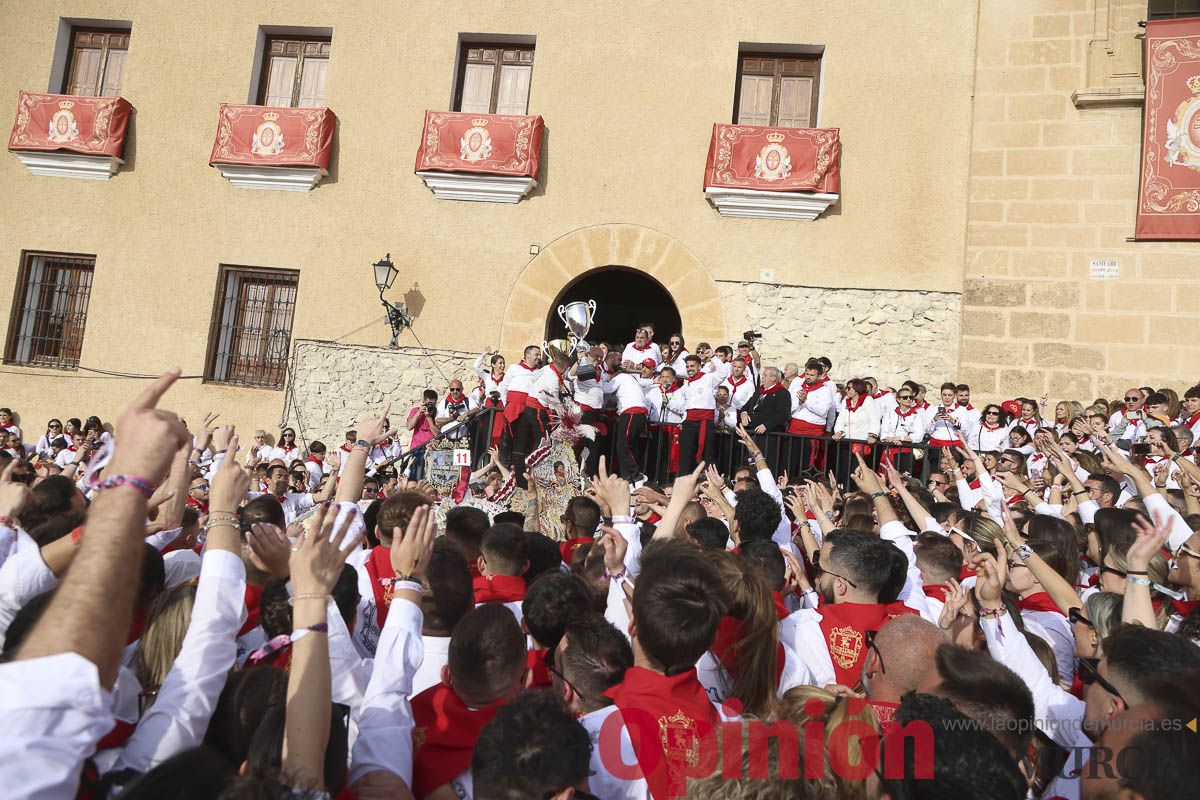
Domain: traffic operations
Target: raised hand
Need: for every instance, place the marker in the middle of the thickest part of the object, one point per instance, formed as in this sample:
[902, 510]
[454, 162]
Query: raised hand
[270, 549]
[372, 429]
[411, 548]
[614, 546]
[1149, 540]
[229, 483]
[991, 573]
[685, 485]
[14, 495]
[956, 599]
[221, 437]
[613, 488]
[318, 556]
[147, 436]
[714, 478]
[865, 477]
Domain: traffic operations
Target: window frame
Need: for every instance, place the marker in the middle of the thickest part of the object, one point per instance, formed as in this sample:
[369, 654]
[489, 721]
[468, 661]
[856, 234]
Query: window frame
[73, 32]
[230, 374]
[264, 66]
[1174, 13]
[12, 345]
[777, 76]
[500, 45]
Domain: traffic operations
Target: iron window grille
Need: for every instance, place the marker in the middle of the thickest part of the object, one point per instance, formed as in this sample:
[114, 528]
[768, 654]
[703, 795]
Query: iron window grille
[251, 331]
[50, 310]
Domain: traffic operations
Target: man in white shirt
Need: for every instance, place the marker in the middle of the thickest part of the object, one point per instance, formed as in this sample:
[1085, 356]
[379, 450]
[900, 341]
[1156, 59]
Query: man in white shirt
[518, 439]
[641, 348]
[747, 352]
[665, 410]
[454, 410]
[590, 396]
[902, 424]
[813, 400]
[740, 384]
[946, 421]
[631, 416]
[721, 363]
[695, 434]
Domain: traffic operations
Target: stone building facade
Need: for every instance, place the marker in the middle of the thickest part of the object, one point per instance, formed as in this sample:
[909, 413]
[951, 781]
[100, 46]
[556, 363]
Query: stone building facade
[981, 175]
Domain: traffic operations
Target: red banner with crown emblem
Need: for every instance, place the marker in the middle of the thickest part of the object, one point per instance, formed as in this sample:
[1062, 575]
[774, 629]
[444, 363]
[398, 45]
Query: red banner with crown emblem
[93, 126]
[276, 137]
[774, 159]
[493, 144]
[1169, 198]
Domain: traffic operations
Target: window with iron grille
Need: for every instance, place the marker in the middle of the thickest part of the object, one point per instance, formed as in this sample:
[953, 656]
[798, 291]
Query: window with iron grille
[49, 310]
[251, 332]
[1173, 9]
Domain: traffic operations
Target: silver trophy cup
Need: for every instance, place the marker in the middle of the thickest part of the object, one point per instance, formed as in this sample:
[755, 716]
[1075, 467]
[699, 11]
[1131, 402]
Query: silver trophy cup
[578, 317]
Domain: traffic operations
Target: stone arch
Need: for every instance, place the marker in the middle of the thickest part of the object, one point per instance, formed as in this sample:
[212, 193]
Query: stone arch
[633, 246]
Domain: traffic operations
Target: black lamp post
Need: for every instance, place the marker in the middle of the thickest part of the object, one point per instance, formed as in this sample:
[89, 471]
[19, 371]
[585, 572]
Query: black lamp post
[385, 275]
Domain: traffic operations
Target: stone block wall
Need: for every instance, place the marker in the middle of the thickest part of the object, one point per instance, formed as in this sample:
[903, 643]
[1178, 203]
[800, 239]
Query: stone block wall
[892, 335]
[335, 385]
[1054, 187]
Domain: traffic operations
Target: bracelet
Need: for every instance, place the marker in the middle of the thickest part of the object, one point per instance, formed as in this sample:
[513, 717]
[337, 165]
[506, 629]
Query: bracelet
[408, 578]
[621, 520]
[996, 612]
[1024, 551]
[614, 576]
[141, 484]
[1082, 492]
[877, 495]
[221, 518]
[308, 596]
[319, 627]
[1137, 581]
[405, 584]
[1136, 572]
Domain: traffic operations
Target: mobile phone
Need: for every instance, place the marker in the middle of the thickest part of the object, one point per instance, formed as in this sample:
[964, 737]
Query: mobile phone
[1140, 449]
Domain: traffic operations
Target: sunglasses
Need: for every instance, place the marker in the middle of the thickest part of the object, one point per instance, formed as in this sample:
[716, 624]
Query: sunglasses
[816, 565]
[55, 425]
[1089, 673]
[904, 397]
[992, 414]
[455, 389]
[203, 486]
[1076, 616]
[1132, 399]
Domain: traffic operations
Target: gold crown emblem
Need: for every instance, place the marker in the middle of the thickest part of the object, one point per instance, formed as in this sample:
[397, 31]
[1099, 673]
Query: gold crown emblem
[479, 122]
[1193, 83]
[775, 137]
[66, 104]
[271, 116]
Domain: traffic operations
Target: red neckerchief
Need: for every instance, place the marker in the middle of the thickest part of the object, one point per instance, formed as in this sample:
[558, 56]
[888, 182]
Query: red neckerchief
[974, 484]
[965, 572]
[808, 387]
[845, 626]
[862, 398]
[557, 374]
[287, 448]
[1184, 607]
[990, 427]
[772, 389]
[321, 464]
[937, 591]
[670, 389]
[539, 675]
[253, 593]
[1039, 602]
[685, 720]
[569, 547]
[968, 407]
[781, 609]
[1193, 419]
[908, 413]
[526, 366]
[736, 383]
[726, 643]
[696, 377]
[642, 349]
[444, 734]
[884, 393]
[497, 377]
[499, 589]
[379, 569]
[196, 504]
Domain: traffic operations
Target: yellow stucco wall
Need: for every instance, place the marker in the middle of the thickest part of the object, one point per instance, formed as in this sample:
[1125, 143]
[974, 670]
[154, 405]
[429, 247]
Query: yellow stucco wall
[629, 92]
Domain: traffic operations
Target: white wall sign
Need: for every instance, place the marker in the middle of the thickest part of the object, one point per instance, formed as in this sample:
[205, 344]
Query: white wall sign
[1104, 269]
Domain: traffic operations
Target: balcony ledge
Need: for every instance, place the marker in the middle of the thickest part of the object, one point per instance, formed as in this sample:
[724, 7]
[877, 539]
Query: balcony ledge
[756, 203]
[70, 165]
[287, 179]
[478, 187]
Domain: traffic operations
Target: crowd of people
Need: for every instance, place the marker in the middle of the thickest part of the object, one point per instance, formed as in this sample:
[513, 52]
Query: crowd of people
[187, 616]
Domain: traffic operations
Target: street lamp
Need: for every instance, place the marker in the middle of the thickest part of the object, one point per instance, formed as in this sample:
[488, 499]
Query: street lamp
[385, 276]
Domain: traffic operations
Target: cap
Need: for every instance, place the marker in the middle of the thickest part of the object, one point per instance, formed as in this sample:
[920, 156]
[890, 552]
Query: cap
[649, 362]
[743, 343]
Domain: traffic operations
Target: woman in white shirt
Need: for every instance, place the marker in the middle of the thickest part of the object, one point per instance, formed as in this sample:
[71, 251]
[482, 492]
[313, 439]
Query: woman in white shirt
[858, 416]
[54, 429]
[991, 434]
[675, 354]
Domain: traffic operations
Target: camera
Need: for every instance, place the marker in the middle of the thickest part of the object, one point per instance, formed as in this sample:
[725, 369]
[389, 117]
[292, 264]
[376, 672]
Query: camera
[430, 408]
[750, 336]
[1140, 449]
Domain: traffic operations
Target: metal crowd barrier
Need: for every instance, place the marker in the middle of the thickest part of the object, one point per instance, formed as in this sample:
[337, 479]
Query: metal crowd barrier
[800, 456]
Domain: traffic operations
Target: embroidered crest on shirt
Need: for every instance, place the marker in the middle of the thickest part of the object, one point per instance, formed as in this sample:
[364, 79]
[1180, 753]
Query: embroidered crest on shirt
[268, 137]
[844, 646]
[680, 741]
[773, 163]
[476, 143]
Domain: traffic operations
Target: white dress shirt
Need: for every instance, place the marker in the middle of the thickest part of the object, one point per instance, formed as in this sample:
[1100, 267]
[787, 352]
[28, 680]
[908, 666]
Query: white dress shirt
[629, 391]
[819, 400]
[700, 392]
[665, 407]
[908, 427]
[740, 391]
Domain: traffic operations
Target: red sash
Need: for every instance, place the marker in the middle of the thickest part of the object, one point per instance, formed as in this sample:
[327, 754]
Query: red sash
[379, 569]
[634, 410]
[669, 720]
[444, 734]
[803, 428]
[937, 592]
[673, 452]
[845, 626]
[253, 593]
[1039, 602]
[499, 589]
[514, 404]
[539, 675]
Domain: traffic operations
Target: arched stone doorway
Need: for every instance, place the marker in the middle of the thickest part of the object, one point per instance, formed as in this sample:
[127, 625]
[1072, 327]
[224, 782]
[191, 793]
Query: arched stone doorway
[625, 298]
[560, 265]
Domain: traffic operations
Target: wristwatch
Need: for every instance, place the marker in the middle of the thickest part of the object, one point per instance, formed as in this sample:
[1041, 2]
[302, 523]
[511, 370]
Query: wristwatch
[1024, 551]
[364, 444]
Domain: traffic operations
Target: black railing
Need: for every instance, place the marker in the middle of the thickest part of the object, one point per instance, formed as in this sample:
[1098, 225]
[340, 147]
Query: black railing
[800, 456]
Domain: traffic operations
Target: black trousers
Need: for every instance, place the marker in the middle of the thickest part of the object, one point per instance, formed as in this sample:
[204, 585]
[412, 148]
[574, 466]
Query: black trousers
[695, 438]
[591, 464]
[628, 440]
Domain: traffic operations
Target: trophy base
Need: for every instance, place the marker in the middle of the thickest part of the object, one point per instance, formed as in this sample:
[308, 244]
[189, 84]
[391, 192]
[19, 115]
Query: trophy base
[586, 372]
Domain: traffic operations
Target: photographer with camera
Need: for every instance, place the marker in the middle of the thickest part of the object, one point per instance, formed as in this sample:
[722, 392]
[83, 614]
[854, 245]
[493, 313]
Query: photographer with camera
[454, 410]
[747, 351]
[422, 421]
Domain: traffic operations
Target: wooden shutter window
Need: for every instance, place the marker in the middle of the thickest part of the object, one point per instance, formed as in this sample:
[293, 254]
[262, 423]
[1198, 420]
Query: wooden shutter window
[294, 73]
[494, 79]
[777, 91]
[97, 63]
